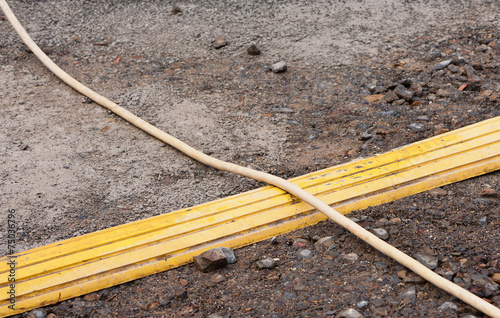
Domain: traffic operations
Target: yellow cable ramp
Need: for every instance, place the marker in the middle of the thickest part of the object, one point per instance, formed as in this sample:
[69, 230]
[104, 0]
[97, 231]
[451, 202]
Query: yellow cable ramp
[80, 265]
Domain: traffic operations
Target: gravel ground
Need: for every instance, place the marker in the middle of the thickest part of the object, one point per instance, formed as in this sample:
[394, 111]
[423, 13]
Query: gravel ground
[362, 77]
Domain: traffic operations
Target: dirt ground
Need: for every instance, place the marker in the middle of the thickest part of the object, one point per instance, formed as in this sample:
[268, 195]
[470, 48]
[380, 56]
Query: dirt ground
[69, 167]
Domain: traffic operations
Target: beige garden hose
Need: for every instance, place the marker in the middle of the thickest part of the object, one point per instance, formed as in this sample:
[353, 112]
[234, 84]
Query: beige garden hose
[324, 208]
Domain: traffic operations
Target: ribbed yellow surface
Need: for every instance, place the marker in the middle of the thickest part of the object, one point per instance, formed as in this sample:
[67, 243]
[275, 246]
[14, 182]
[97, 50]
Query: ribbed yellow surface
[94, 261]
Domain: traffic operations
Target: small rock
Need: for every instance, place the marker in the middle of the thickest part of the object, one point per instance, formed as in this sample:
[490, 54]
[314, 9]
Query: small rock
[178, 292]
[267, 263]
[378, 302]
[401, 92]
[445, 92]
[427, 260]
[482, 221]
[231, 258]
[91, 297]
[390, 97]
[300, 242]
[217, 278]
[409, 295]
[351, 257]
[469, 70]
[417, 126]
[489, 193]
[290, 295]
[302, 306]
[474, 83]
[496, 278]
[381, 311]
[278, 67]
[448, 306]
[380, 233]
[365, 136]
[183, 282]
[468, 316]
[395, 220]
[441, 65]
[325, 243]
[153, 305]
[483, 48]
[437, 192]
[37, 313]
[413, 278]
[454, 69]
[305, 253]
[220, 42]
[176, 10]
[51, 315]
[448, 274]
[376, 98]
[253, 50]
[210, 260]
[486, 92]
[215, 316]
[362, 304]
[349, 313]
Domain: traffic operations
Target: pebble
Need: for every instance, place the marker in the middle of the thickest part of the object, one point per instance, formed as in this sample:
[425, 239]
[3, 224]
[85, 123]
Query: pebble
[230, 256]
[91, 297]
[283, 110]
[437, 192]
[253, 50]
[409, 295]
[489, 193]
[496, 278]
[401, 92]
[380, 233]
[214, 316]
[413, 278]
[176, 10]
[469, 70]
[219, 42]
[454, 69]
[482, 48]
[441, 65]
[37, 313]
[362, 304]
[300, 242]
[51, 315]
[482, 221]
[325, 243]
[217, 278]
[417, 126]
[378, 302]
[267, 263]
[305, 253]
[290, 295]
[278, 67]
[351, 257]
[210, 260]
[446, 274]
[376, 98]
[427, 260]
[448, 306]
[349, 313]
[444, 92]
[302, 306]
[390, 97]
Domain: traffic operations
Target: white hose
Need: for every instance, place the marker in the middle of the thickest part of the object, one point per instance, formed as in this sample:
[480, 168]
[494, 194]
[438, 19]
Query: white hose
[324, 208]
